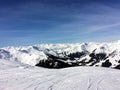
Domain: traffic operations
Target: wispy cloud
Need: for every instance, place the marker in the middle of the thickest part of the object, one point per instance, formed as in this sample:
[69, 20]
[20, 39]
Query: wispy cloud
[103, 27]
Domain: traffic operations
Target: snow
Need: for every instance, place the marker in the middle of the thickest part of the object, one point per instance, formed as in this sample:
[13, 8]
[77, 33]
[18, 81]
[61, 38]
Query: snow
[32, 55]
[18, 70]
[16, 76]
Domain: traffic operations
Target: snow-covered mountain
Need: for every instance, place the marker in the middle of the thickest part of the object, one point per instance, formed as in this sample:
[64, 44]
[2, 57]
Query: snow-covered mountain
[18, 71]
[65, 55]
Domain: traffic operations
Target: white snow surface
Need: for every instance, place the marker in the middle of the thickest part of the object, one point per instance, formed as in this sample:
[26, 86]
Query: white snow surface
[16, 76]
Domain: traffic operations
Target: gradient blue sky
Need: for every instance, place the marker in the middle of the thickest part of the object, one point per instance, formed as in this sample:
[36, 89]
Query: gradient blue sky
[27, 22]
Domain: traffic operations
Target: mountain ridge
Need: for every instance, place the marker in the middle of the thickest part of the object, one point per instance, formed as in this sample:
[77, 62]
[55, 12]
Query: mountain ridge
[65, 55]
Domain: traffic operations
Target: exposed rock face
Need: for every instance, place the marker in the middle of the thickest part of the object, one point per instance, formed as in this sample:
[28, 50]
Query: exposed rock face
[58, 62]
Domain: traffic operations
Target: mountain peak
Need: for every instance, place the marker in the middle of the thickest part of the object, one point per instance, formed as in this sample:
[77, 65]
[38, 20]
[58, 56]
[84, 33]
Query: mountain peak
[65, 55]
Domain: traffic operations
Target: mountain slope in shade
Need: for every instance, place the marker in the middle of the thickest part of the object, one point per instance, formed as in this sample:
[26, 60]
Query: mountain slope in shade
[16, 76]
[65, 55]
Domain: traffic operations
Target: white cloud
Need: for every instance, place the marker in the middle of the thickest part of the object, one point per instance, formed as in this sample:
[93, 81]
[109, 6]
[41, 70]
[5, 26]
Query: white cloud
[103, 27]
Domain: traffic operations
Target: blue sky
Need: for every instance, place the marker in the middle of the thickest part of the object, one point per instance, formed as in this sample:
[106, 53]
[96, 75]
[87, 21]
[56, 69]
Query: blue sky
[28, 22]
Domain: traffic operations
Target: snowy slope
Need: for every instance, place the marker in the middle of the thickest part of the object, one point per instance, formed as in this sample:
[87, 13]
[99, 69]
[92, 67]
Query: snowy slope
[14, 76]
[65, 55]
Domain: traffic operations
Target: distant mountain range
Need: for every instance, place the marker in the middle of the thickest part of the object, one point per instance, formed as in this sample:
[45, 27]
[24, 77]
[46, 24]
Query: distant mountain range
[65, 55]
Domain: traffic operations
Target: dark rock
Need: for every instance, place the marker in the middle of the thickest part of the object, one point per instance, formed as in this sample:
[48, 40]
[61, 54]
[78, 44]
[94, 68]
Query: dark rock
[117, 67]
[106, 64]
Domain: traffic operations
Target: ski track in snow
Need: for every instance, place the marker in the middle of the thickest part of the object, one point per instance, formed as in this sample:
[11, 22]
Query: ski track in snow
[14, 76]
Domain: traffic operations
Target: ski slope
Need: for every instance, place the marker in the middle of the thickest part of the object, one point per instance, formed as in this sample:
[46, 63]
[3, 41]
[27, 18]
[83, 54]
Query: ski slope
[16, 76]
